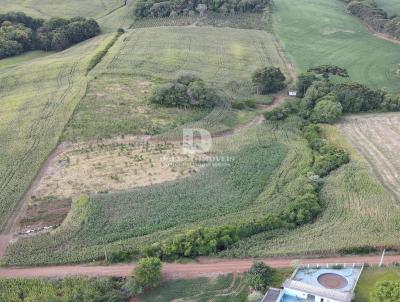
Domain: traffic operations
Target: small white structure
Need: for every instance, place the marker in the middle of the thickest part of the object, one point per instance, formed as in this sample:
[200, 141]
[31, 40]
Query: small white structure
[327, 283]
[292, 93]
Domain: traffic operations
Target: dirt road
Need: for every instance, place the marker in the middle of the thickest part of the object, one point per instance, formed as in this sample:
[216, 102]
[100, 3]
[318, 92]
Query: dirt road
[203, 268]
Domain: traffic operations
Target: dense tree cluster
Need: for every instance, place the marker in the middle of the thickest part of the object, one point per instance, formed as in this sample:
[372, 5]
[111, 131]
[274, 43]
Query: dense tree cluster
[268, 80]
[20, 33]
[187, 91]
[160, 8]
[375, 17]
[325, 101]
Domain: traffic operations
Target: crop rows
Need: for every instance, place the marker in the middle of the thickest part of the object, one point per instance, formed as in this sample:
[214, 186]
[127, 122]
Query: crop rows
[35, 111]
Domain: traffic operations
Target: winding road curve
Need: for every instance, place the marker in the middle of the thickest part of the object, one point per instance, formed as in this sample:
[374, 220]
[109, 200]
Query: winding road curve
[204, 267]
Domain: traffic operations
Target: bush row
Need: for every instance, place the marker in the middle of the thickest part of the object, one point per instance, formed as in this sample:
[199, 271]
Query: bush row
[20, 33]
[100, 55]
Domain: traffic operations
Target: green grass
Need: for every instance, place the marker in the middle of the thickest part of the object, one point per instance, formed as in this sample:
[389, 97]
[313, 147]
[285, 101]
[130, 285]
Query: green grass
[221, 289]
[26, 57]
[117, 99]
[372, 276]
[60, 8]
[317, 32]
[37, 98]
[392, 7]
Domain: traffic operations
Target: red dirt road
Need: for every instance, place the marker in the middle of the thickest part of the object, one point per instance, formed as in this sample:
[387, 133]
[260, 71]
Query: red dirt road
[204, 268]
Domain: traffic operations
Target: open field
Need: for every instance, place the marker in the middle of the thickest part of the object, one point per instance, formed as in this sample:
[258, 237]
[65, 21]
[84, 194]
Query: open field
[315, 32]
[59, 8]
[392, 7]
[28, 56]
[117, 104]
[37, 98]
[370, 277]
[358, 212]
[246, 187]
[377, 138]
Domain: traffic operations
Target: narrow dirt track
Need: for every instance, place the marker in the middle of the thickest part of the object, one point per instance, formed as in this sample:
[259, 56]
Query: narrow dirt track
[203, 268]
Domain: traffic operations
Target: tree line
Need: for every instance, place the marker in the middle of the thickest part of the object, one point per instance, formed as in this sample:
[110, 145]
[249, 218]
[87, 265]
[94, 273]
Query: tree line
[20, 33]
[159, 8]
[375, 17]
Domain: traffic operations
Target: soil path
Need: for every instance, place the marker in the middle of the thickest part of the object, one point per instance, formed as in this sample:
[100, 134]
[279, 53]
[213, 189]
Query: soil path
[382, 35]
[205, 267]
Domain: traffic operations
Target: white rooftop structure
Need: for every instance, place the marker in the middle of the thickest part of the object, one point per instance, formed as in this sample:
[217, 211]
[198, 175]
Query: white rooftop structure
[326, 283]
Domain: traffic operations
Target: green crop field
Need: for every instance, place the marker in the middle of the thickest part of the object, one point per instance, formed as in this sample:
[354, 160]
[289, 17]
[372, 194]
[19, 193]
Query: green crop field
[392, 7]
[262, 177]
[116, 102]
[37, 98]
[316, 32]
[351, 217]
[59, 8]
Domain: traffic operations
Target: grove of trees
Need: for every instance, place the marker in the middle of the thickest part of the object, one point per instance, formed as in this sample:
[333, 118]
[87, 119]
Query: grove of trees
[20, 33]
[325, 101]
[160, 8]
[187, 91]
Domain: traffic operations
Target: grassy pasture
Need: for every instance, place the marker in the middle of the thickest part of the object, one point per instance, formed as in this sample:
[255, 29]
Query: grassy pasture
[392, 7]
[315, 32]
[221, 289]
[358, 212]
[370, 277]
[116, 102]
[59, 8]
[37, 98]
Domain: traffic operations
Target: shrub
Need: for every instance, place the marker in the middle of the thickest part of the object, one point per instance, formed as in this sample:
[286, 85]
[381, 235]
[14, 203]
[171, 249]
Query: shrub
[259, 276]
[268, 79]
[148, 272]
[132, 288]
[386, 291]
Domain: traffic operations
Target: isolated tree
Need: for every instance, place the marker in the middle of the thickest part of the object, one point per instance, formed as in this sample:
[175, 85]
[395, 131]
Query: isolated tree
[328, 70]
[148, 272]
[259, 276]
[268, 79]
[327, 111]
[386, 291]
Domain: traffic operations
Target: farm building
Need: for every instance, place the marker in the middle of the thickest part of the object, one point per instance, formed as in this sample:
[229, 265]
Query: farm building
[329, 283]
